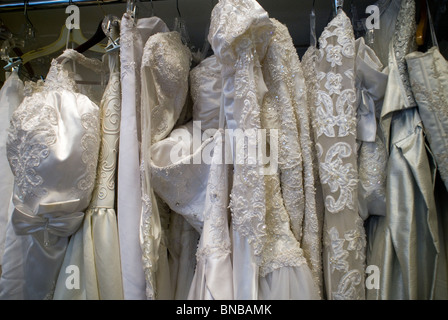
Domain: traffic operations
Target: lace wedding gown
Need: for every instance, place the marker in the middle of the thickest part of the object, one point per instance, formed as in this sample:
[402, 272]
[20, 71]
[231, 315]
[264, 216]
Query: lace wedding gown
[94, 248]
[330, 74]
[213, 272]
[268, 262]
[133, 36]
[53, 152]
[11, 95]
[167, 253]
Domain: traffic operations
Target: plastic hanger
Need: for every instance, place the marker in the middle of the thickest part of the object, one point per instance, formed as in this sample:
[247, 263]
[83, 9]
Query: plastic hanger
[422, 24]
[75, 36]
[93, 41]
[13, 45]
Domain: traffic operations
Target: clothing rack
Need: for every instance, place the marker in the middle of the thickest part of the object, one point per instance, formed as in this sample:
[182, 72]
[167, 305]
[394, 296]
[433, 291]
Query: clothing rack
[48, 4]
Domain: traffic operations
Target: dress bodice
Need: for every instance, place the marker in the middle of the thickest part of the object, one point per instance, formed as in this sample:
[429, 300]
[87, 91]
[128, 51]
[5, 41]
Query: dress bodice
[54, 129]
[205, 88]
[165, 71]
[428, 77]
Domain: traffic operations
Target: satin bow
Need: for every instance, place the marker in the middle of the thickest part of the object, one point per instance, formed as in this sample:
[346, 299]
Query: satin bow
[57, 218]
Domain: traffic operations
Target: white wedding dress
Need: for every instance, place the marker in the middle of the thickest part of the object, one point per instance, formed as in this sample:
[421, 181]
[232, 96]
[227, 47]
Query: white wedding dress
[11, 95]
[94, 248]
[268, 262]
[335, 136]
[53, 152]
[214, 270]
[168, 242]
[133, 36]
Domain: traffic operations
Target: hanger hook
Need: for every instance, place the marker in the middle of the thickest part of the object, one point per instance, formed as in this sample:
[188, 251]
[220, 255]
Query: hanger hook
[25, 5]
[177, 7]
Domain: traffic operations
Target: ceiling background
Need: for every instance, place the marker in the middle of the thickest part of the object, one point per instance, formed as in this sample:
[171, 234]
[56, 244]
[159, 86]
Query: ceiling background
[196, 13]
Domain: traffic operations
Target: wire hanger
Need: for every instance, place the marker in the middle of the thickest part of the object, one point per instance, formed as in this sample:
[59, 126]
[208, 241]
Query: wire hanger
[153, 13]
[131, 9]
[338, 4]
[111, 26]
[202, 54]
[180, 26]
[30, 31]
[313, 38]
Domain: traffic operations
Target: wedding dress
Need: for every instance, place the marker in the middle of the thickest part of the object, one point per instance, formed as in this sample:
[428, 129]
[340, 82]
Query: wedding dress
[213, 272]
[133, 36]
[309, 60]
[405, 244]
[53, 152]
[428, 78]
[94, 248]
[285, 109]
[11, 95]
[164, 77]
[268, 262]
[335, 137]
[427, 72]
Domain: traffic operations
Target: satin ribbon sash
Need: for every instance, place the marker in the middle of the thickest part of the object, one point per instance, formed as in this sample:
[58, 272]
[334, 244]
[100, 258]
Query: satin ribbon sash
[57, 218]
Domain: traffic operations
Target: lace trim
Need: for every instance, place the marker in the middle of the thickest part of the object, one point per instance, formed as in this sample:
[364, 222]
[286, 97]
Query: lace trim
[353, 242]
[312, 241]
[372, 169]
[285, 104]
[93, 64]
[339, 176]
[337, 159]
[170, 62]
[104, 192]
[404, 42]
[149, 262]
[436, 100]
[231, 22]
[248, 213]
[89, 142]
[215, 215]
[30, 136]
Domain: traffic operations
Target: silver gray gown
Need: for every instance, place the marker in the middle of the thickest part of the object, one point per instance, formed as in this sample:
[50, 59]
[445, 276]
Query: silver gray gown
[405, 244]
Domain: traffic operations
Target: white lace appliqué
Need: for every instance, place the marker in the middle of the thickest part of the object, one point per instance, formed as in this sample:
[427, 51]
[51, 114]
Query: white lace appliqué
[30, 136]
[339, 176]
[335, 127]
